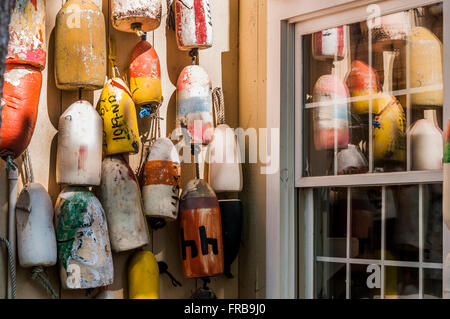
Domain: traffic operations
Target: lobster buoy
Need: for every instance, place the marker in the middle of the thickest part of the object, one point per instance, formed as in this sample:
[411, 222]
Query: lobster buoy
[193, 24]
[121, 199]
[329, 44]
[446, 182]
[330, 117]
[162, 176]
[145, 75]
[19, 108]
[120, 127]
[426, 68]
[225, 170]
[84, 251]
[194, 104]
[36, 239]
[426, 143]
[201, 240]
[27, 34]
[79, 154]
[389, 133]
[143, 276]
[80, 46]
[363, 81]
[231, 214]
[136, 15]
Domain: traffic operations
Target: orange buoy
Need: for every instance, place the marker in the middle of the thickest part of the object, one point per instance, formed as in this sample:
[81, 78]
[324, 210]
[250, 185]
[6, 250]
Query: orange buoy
[19, 108]
[145, 76]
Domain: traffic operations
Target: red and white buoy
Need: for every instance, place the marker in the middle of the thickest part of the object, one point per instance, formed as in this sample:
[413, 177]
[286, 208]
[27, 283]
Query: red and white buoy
[329, 44]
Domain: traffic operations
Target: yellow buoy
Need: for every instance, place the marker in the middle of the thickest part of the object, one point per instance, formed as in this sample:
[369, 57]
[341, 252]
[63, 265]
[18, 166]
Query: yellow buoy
[143, 276]
[120, 127]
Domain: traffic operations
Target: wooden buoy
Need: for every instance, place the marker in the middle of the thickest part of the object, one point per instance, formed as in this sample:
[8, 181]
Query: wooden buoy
[136, 15]
[143, 276]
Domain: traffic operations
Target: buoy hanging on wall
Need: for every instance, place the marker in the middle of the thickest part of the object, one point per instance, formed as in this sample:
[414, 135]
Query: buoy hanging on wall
[120, 127]
[79, 153]
[36, 239]
[84, 251]
[143, 276]
[201, 240]
[194, 104]
[231, 214]
[145, 76]
[225, 171]
[136, 15]
[27, 34]
[121, 200]
[162, 176]
[19, 108]
[80, 46]
[194, 28]
[331, 116]
[329, 44]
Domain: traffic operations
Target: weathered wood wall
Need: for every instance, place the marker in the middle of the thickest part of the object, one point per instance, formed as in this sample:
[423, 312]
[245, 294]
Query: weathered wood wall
[221, 62]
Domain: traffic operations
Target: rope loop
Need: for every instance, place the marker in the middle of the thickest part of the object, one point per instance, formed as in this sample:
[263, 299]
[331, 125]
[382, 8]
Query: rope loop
[38, 273]
[219, 106]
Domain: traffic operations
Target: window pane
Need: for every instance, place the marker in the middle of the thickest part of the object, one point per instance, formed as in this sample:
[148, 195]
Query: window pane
[366, 222]
[401, 283]
[330, 280]
[432, 223]
[432, 283]
[330, 214]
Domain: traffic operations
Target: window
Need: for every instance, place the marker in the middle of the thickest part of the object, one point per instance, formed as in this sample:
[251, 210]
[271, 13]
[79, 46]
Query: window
[369, 120]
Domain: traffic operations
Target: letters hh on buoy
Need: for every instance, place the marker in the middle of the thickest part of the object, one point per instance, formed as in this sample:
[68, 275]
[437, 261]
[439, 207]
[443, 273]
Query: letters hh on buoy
[145, 75]
[194, 104]
[36, 239]
[121, 199]
[80, 46]
[27, 34]
[162, 176]
[331, 116]
[19, 109]
[225, 170]
[79, 153]
[194, 28]
[143, 276]
[84, 251]
[201, 240]
[136, 15]
[120, 127]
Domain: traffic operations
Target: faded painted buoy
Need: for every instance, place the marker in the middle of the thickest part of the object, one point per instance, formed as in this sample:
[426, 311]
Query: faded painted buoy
[80, 46]
[19, 108]
[329, 44]
[120, 127]
[426, 68]
[225, 171]
[36, 239]
[84, 251]
[193, 24]
[79, 154]
[194, 104]
[201, 240]
[143, 276]
[145, 75]
[162, 175]
[121, 199]
[136, 15]
[331, 116]
[27, 34]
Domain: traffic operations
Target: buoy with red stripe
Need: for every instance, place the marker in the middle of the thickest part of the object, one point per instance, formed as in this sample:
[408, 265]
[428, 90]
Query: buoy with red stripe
[194, 104]
[329, 44]
[19, 108]
[79, 153]
[27, 34]
[121, 199]
[331, 115]
[194, 27]
[162, 176]
[36, 239]
[200, 225]
[145, 76]
[84, 250]
[136, 15]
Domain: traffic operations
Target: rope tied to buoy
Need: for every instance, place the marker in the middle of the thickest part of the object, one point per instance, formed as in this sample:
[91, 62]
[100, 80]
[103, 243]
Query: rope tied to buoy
[10, 164]
[38, 273]
[164, 269]
[12, 266]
